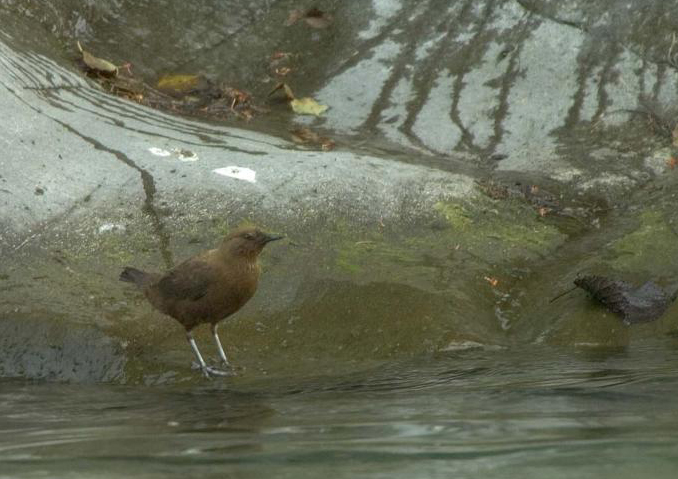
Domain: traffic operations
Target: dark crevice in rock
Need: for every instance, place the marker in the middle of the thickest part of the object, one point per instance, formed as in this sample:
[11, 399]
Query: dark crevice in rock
[585, 66]
[200, 130]
[607, 76]
[398, 72]
[362, 50]
[112, 120]
[521, 32]
[146, 179]
[425, 77]
[620, 36]
[120, 109]
[148, 184]
[534, 10]
[476, 46]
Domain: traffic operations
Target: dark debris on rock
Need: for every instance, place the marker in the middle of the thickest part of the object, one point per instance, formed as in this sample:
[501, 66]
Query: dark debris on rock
[635, 305]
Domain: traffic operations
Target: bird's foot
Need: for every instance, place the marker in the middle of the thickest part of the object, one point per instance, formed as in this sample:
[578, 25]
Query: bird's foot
[212, 371]
[209, 371]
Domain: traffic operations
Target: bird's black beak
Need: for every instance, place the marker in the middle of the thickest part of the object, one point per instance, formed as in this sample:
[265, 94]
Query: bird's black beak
[268, 238]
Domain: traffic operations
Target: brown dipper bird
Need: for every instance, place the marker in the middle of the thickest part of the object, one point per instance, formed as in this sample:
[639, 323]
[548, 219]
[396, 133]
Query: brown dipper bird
[208, 287]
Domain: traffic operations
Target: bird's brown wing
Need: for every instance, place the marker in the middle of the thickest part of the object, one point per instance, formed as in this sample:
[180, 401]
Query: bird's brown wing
[188, 281]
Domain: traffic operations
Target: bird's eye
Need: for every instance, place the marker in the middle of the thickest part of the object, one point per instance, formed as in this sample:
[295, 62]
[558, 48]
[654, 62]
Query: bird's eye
[249, 236]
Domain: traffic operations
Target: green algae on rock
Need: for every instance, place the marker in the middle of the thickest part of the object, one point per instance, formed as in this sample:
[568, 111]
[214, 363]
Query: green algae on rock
[652, 246]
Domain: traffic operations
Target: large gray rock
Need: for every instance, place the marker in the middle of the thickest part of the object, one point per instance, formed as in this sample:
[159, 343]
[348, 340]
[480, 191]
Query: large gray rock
[477, 141]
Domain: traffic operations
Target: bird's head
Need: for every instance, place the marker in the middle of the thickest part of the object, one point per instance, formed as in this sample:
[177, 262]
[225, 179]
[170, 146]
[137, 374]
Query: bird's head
[246, 242]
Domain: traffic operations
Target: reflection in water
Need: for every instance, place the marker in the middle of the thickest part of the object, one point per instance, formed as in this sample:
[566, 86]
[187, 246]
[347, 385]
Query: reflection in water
[541, 412]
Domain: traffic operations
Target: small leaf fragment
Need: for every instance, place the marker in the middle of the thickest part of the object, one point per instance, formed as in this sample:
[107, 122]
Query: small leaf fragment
[307, 106]
[306, 136]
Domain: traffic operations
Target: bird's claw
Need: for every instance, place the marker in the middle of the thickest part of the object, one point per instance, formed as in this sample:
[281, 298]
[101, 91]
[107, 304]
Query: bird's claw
[209, 371]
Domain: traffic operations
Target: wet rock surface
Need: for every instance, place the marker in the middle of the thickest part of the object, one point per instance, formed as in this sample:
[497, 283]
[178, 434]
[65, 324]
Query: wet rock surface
[486, 153]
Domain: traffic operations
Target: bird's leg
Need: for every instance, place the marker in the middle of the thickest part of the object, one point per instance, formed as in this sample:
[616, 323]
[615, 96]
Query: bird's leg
[206, 370]
[196, 351]
[222, 354]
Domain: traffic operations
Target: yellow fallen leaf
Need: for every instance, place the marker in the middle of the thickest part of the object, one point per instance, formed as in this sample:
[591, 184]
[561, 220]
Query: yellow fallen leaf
[178, 82]
[307, 106]
[98, 64]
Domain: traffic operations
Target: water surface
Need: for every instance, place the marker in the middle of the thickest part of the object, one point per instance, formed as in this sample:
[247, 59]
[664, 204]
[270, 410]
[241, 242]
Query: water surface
[534, 412]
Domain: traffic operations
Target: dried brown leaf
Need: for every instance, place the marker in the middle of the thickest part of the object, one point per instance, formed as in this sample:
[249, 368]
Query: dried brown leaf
[237, 96]
[305, 136]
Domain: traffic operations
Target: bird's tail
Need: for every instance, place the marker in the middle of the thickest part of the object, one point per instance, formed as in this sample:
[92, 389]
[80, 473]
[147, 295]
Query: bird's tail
[133, 275]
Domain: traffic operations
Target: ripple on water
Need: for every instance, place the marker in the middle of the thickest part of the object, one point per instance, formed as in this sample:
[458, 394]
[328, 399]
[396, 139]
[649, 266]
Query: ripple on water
[533, 411]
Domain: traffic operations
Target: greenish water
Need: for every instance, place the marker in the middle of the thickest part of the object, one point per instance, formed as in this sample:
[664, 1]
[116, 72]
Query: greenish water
[534, 412]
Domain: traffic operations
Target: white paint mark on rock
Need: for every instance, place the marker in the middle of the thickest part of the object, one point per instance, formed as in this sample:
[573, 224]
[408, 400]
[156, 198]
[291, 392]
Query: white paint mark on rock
[111, 227]
[237, 172]
[159, 151]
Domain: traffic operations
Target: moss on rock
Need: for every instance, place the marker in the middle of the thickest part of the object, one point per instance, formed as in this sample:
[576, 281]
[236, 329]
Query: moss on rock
[653, 246]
